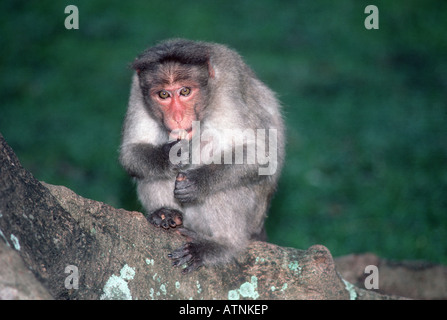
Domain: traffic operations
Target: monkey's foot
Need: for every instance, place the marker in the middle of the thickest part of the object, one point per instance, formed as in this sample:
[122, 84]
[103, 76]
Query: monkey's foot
[166, 218]
[188, 256]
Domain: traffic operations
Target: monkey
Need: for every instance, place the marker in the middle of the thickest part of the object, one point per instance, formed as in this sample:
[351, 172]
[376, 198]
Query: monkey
[196, 117]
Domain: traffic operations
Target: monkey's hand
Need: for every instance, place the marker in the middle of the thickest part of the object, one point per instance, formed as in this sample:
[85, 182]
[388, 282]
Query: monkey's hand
[176, 160]
[166, 218]
[189, 185]
[188, 255]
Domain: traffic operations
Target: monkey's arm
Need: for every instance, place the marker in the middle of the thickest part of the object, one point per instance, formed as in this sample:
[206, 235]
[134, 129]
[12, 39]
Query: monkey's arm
[142, 160]
[196, 184]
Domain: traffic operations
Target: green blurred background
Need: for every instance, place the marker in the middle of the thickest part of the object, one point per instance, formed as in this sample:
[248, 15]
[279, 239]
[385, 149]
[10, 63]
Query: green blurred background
[366, 110]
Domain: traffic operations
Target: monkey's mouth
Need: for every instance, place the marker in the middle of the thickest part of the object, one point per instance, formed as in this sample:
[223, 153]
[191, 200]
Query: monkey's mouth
[181, 134]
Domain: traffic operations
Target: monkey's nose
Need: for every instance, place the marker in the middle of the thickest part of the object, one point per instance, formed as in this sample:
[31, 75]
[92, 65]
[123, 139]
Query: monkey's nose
[178, 117]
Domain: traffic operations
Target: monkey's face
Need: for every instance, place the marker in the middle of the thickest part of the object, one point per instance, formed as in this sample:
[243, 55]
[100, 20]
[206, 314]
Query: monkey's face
[175, 96]
[176, 103]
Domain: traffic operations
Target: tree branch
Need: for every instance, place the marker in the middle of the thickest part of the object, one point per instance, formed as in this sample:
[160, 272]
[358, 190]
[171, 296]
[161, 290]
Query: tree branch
[117, 254]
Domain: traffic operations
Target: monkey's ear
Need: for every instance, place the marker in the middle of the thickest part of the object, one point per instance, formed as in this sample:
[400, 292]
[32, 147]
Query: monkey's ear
[211, 72]
[137, 66]
[140, 64]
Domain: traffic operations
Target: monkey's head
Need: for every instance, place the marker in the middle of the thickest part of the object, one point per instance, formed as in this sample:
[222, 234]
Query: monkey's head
[174, 78]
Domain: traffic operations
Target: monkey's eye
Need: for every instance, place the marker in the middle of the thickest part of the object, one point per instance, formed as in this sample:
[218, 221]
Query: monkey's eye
[185, 91]
[163, 94]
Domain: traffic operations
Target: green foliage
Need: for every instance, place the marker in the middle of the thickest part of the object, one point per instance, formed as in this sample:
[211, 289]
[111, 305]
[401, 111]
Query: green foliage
[366, 110]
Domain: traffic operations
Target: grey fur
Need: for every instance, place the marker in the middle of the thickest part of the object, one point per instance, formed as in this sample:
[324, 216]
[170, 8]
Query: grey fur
[230, 205]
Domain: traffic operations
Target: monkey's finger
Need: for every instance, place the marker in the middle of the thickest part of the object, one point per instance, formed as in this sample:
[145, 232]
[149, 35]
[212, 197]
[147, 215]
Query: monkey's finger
[184, 191]
[154, 219]
[187, 194]
[180, 257]
[184, 185]
[159, 220]
[188, 233]
[174, 222]
[178, 253]
[191, 267]
[165, 224]
[186, 260]
[187, 198]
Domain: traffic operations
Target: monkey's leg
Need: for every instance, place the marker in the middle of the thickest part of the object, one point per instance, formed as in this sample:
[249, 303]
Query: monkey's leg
[192, 255]
[220, 227]
[189, 255]
[166, 218]
[200, 251]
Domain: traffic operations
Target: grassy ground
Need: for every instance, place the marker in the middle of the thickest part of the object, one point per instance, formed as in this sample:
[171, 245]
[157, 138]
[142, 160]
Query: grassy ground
[366, 110]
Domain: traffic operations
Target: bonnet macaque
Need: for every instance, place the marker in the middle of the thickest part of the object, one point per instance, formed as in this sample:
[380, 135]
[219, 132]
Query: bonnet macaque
[204, 139]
